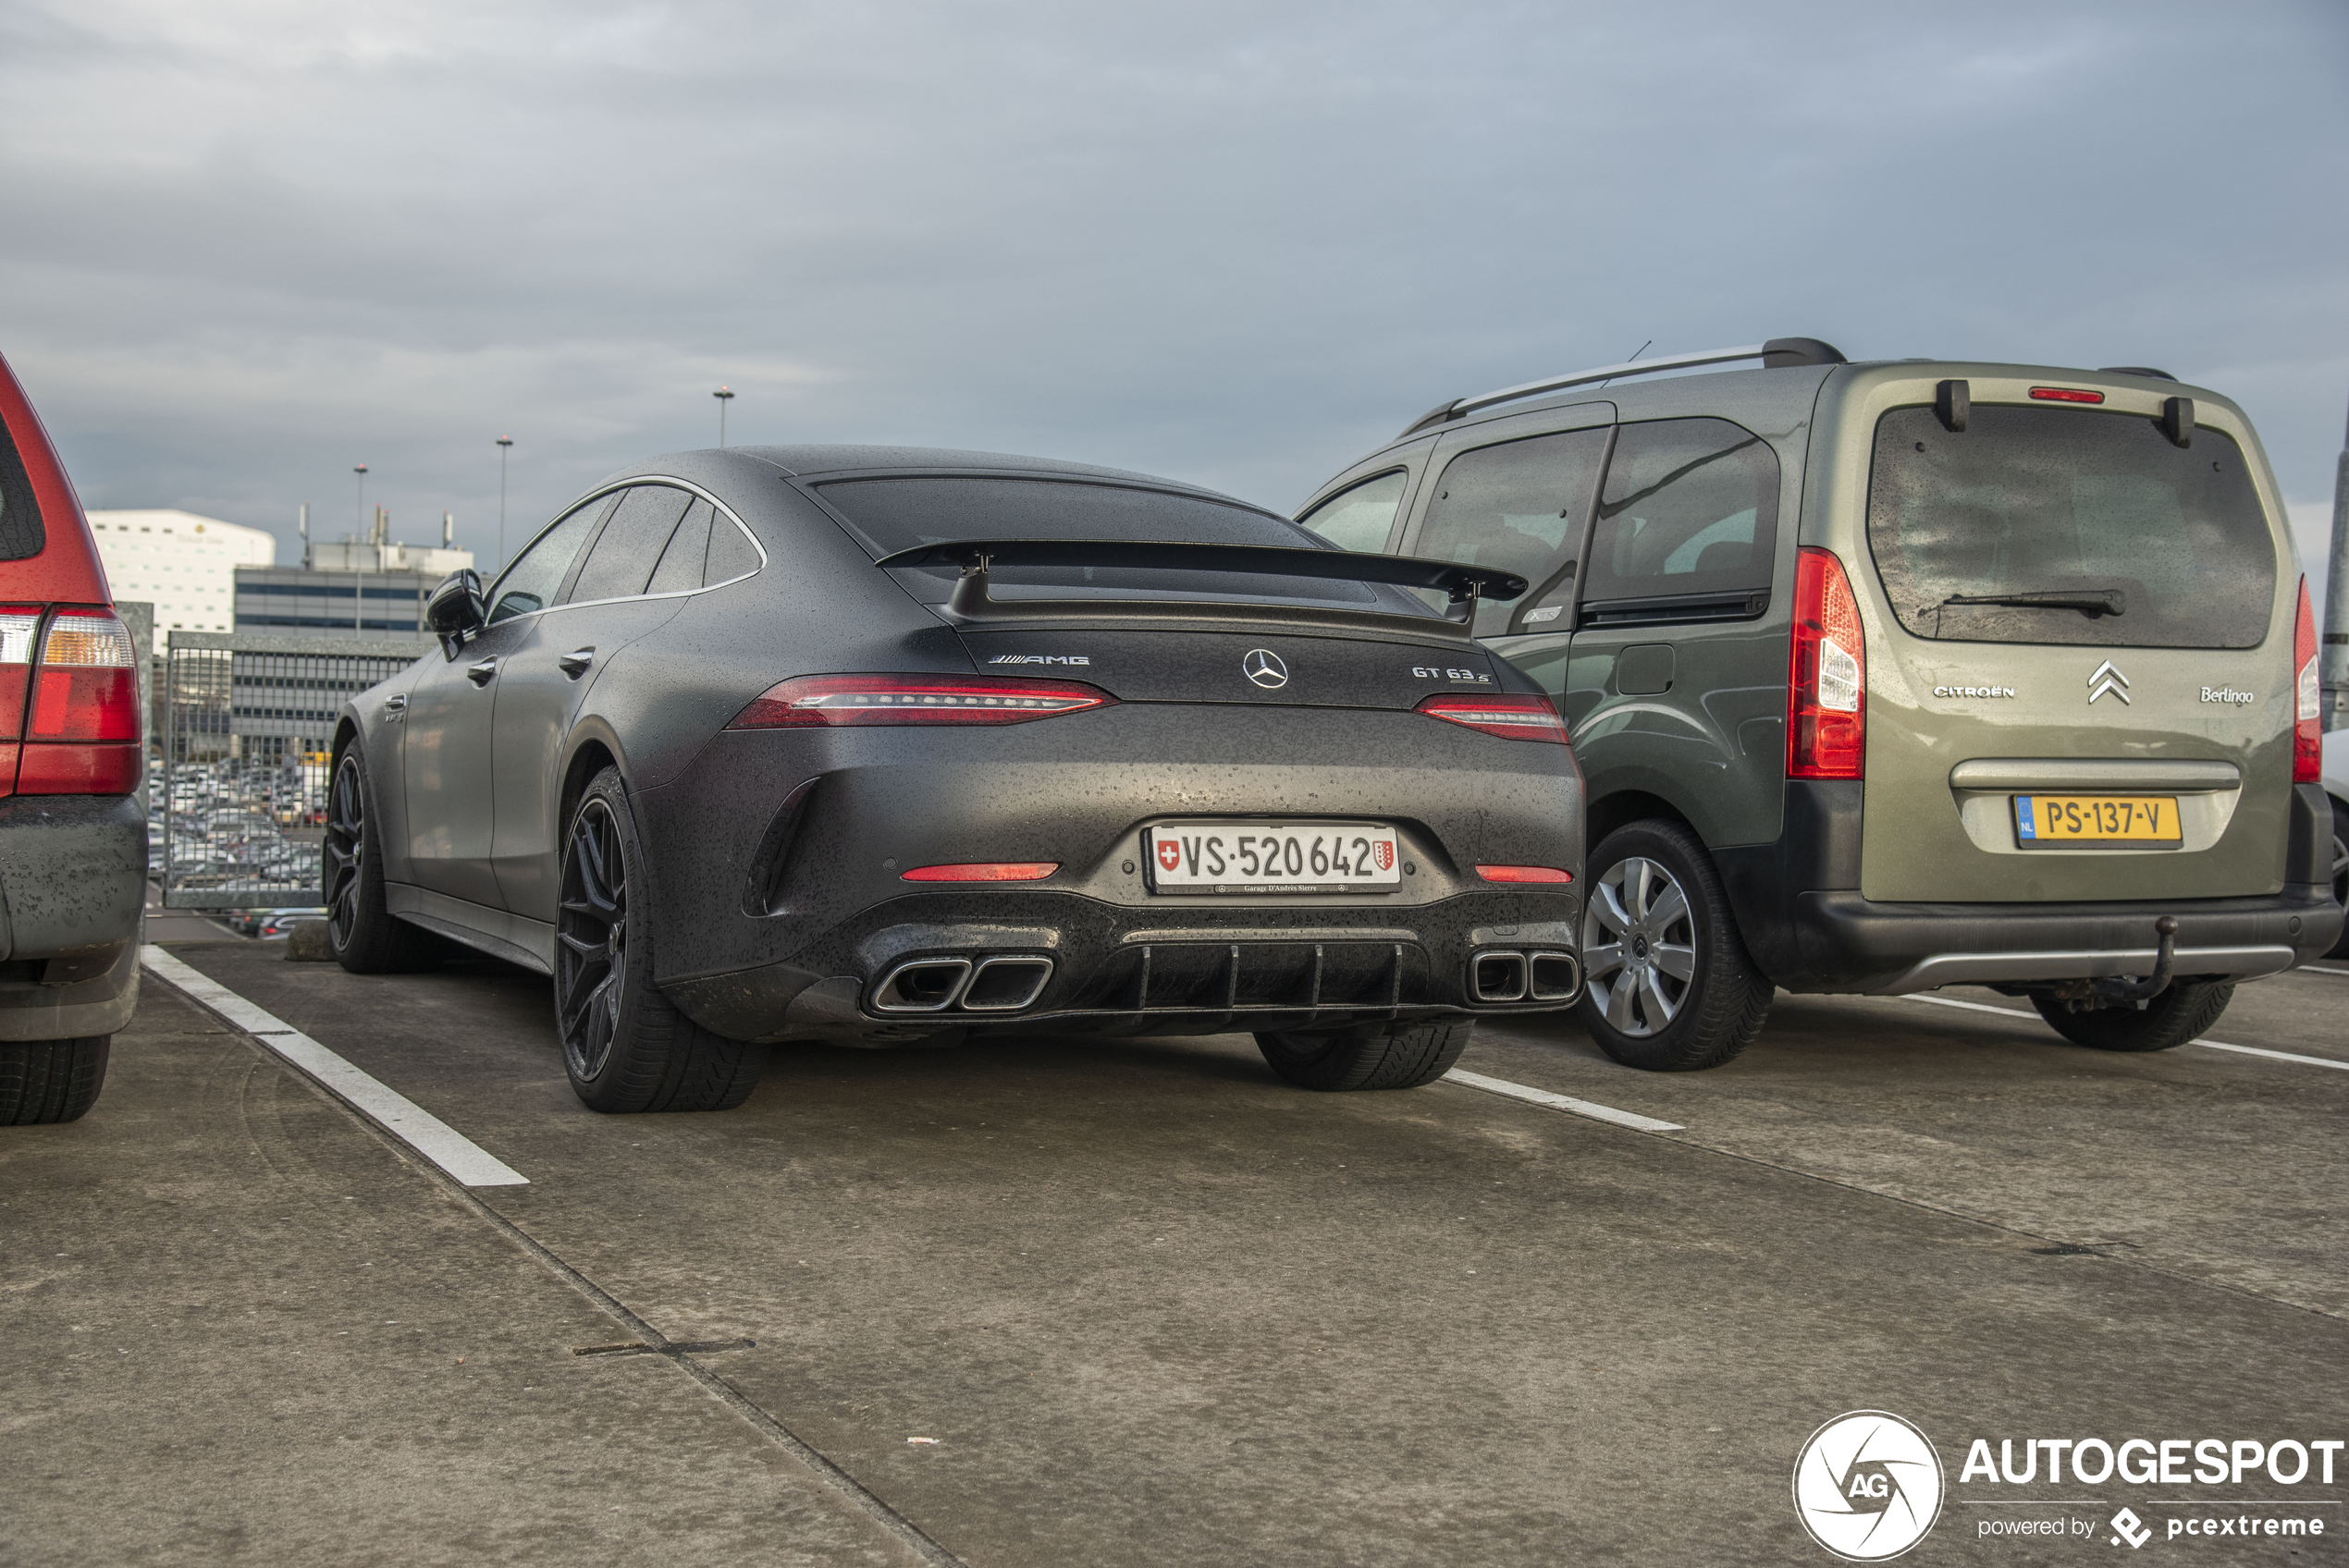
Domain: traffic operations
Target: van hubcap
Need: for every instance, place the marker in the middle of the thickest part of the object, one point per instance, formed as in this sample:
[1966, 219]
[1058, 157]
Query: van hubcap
[1639, 946]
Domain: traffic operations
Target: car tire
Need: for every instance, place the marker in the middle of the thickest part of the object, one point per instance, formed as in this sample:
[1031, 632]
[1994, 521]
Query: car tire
[45, 1082]
[1655, 907]
[367, 938]
[626, 1046]
[2177, 1015]
[1384, 1056]
[2340, 873]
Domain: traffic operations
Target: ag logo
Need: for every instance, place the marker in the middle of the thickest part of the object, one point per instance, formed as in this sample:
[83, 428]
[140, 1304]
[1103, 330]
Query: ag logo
[1169, 854]
[1867, 1485]
[1265, 667]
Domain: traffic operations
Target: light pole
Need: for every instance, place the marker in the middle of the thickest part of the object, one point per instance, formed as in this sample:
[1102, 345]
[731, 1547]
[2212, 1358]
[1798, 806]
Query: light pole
[358, 575]
[724, 397]
[505, 445]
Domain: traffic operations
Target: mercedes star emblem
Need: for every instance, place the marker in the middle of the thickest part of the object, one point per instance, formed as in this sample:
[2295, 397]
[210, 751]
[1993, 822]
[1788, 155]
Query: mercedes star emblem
[1265, 667]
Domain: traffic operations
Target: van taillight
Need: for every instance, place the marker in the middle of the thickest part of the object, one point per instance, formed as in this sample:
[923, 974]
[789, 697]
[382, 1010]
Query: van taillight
[81, 713]
[1826, 721]
[2307, 713]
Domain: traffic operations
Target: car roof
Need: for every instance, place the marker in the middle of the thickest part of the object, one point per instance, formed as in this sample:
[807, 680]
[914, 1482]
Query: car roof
[66, 568]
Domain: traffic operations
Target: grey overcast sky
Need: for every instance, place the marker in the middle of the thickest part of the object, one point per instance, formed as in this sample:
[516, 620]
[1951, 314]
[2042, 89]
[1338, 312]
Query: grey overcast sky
[248, 243]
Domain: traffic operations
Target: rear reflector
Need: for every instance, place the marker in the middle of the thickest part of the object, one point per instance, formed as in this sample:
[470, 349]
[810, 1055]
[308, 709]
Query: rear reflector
[81, 727]
[2065, 395]
[17, 625]
[809, 701]
[1523, 874]
[2307, 712]
[985, 871]
[1826, 717]
[1510, 718]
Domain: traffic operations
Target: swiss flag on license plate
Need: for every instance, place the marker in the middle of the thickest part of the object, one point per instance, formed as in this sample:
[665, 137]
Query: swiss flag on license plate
[1169, 854]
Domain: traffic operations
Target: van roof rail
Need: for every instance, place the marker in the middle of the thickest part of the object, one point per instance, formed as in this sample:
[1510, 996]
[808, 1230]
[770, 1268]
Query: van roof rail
[1775, 354]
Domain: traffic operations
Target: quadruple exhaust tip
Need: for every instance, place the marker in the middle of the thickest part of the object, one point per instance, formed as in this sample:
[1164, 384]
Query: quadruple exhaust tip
[1003, 984]
[1543, 976]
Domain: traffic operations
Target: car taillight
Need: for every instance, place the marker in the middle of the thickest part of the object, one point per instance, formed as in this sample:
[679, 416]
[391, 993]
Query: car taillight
[2307, 712]
[1826, 720]
[18, 624]
[81, 722]
[1511, 717]
[807, 700]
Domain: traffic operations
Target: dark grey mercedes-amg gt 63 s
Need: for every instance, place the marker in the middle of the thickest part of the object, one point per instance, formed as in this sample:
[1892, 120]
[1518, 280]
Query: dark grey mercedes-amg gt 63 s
[875, 745]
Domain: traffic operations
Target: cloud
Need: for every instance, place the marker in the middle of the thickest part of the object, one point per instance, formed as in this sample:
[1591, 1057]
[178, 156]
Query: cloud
[251, 243]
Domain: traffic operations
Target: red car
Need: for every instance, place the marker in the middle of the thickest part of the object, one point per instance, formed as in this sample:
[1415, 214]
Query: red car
[73, 829]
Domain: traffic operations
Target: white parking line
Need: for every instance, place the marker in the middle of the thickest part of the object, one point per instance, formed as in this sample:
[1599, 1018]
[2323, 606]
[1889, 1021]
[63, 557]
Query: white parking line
[2312, 969]
[394, 1112]
[2214, 1045]
[1560, 1102]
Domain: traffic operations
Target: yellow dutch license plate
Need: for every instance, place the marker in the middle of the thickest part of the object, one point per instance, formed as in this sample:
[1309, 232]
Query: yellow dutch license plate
[2111, 822]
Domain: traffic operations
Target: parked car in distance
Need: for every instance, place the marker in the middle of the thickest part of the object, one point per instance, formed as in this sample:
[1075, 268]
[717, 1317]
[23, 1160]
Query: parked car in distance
[881, 746]
[280, 921]
[73, 833]
[1885, 677]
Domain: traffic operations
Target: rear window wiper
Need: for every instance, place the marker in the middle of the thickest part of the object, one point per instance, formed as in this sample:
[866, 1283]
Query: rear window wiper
[2090, 601]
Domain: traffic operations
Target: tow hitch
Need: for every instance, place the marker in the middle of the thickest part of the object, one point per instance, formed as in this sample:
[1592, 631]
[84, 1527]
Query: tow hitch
[2119, 989]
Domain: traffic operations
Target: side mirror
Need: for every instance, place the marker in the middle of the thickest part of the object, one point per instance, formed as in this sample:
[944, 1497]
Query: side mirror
[455, 611]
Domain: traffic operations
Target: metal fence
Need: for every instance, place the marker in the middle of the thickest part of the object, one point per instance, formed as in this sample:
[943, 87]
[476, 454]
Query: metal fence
[239, 808]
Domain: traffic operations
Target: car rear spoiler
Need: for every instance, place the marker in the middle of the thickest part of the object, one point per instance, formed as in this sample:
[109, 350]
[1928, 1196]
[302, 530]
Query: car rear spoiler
[970, 601]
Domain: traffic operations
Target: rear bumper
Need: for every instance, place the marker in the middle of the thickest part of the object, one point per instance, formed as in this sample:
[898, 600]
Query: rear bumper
[1809, 928]
[1160, 969]
[1891, 950]
[73, 872]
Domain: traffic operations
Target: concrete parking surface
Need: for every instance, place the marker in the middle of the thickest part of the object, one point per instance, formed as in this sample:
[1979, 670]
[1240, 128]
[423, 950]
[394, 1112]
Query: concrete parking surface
[1138, 1302]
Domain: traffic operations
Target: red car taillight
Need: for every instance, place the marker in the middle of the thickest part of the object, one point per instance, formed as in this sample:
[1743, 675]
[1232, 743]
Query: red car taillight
[1827, 720]
[18, 625]
[82, 720]
[1510, 718]
[807, 700]
[2307, 712]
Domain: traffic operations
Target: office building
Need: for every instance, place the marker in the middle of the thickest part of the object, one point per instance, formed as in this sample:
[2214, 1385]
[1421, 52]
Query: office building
[183, 564]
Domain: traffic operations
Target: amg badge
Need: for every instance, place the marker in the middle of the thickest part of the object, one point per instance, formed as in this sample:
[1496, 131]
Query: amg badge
[1039, 658]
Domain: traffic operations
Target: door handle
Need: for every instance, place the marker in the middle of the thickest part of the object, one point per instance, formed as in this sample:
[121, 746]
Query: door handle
[574, 663]
[483, 673]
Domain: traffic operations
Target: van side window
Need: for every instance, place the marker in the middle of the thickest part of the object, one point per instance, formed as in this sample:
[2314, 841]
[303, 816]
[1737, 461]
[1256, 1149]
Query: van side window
[624, 555]
[530, 583]
[1520, 506]
[1691, 509]
[1361, 518]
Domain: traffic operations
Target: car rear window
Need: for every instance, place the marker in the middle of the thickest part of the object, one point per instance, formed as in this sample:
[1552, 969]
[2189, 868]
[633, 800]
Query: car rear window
[21, 533]
[899, 514]
[2156, 545]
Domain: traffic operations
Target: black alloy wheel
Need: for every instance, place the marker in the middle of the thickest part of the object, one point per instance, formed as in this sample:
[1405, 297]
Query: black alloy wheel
[626, 1046]
[345, 849]
[591, 956]
[367, 938]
